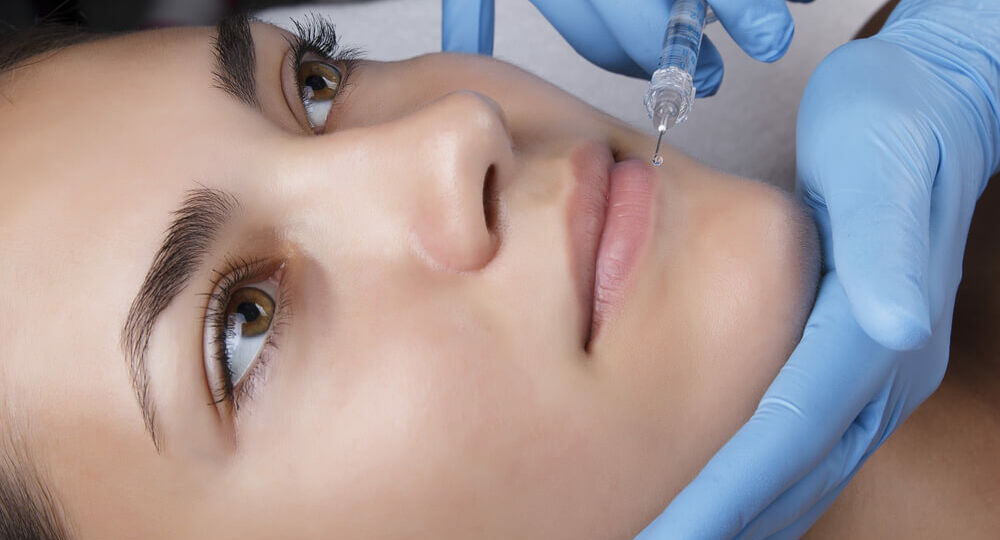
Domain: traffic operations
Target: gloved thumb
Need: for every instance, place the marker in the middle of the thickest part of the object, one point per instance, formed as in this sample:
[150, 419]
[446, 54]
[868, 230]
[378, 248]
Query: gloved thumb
[880, 249]
[870, 183]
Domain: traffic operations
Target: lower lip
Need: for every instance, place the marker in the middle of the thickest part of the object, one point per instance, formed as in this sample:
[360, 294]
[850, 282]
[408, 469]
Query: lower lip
[626, 226]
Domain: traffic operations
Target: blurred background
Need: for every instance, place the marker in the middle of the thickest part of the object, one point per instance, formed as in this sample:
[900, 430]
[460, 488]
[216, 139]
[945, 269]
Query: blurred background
[748, 128]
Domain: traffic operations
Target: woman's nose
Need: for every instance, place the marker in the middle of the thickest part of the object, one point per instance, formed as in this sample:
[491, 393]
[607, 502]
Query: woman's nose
[425, 184]
[462, 152]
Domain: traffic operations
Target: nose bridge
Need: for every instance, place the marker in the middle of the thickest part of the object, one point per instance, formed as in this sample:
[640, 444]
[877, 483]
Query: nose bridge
[414, 183]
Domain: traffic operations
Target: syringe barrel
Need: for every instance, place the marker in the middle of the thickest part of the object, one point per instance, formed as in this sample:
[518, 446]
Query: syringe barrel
[671, 90]
[683, 36]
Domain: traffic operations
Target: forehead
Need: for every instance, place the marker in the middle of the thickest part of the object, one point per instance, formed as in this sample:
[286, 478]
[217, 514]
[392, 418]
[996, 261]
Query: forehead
[110, 120]
[92, 134]
[88, 103]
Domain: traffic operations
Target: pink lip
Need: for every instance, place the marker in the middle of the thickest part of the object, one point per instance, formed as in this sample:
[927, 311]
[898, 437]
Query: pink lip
[609, 215]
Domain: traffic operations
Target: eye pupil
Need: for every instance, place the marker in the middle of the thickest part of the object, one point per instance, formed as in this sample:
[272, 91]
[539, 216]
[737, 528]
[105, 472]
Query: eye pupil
[249, 310]
[255, 307]
[316, 82]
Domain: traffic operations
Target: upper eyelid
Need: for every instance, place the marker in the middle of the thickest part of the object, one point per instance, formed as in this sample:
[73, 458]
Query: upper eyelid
[236, 271]
[258, 373]
[316, 35]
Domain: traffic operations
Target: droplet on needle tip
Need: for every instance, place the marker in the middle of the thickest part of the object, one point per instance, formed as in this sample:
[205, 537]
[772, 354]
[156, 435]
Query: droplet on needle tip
[657, 160]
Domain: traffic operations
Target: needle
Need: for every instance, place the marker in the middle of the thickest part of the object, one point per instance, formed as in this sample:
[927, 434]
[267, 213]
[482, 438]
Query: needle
[671, 88]
[657, 158]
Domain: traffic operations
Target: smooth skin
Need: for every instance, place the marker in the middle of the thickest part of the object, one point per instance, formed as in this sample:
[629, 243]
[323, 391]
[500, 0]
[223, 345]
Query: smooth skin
[431, 379]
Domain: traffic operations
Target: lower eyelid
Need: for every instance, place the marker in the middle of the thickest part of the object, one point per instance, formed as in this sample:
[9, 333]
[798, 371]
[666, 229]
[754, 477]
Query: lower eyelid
[257, 375]
[322, 110]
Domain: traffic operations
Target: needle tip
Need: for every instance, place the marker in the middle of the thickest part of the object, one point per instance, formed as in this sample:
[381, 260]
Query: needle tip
[657, 158]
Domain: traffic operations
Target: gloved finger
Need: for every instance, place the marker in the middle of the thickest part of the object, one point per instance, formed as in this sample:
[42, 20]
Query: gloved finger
[820, 391]
[874, 178]
[641, 39]
[639, 28]
[890, 419]
[708, 73]
[762, 28]
[881, 416]
[589, 35]
[467, 26]
[861, 439]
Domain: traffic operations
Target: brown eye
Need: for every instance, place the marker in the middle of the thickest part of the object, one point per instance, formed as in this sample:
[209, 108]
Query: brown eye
[321, 78]
[256, 308]
[320, 82]
[241, 322]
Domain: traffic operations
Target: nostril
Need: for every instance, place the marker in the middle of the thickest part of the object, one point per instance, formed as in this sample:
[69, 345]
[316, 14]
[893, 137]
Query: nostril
[491, 199]
[616, 153]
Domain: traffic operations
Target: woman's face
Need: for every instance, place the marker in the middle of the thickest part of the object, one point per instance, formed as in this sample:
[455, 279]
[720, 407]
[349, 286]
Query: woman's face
[428, 367]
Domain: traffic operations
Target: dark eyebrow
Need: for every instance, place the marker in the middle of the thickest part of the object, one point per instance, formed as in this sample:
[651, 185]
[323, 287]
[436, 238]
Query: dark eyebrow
[196, 223]
[236, 59]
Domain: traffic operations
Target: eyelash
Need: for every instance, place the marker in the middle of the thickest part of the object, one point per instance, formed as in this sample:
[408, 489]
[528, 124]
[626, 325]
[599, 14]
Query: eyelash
[317, 35]
[239, 271]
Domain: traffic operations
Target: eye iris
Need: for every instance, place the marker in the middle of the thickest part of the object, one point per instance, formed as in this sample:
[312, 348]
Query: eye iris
[322, 79]
[256, 308]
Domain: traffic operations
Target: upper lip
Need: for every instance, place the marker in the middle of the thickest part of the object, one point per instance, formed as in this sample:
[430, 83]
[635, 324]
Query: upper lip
[587, 211]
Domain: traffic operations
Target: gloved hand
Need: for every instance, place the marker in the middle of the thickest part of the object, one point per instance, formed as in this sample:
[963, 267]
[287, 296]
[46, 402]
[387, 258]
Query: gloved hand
[628, 40]
[897, 136]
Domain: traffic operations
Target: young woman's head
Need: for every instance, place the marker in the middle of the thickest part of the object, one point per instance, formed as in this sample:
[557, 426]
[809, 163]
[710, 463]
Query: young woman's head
[232, 314]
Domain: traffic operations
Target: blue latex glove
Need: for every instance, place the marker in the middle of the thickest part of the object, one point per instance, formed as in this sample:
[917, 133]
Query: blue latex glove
[897, 136]
[628, 40]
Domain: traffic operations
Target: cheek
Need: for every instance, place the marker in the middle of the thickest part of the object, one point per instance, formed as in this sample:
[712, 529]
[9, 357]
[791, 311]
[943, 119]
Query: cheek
[416, 426]
[447, 425]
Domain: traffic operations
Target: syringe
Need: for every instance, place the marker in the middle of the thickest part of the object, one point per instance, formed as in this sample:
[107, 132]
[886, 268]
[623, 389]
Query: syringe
[671, 89]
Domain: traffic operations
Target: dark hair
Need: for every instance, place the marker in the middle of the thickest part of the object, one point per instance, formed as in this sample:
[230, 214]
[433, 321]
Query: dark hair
[17, 46]
[28, 510]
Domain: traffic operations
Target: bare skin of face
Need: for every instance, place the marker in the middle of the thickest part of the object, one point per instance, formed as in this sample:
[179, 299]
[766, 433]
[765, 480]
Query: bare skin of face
[431, 368]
